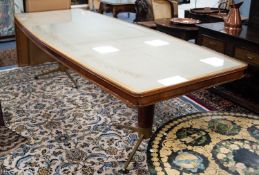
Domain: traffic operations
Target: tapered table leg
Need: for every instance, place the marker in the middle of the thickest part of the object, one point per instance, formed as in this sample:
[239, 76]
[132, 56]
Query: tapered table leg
[22, 48]
[60, 68]
[46, 73]
[144, 129]
[1, 116]
[145, 120]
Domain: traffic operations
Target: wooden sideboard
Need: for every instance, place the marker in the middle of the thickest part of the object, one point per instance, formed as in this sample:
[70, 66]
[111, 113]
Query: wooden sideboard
[242, 45]
[204, 18]
[254, 13]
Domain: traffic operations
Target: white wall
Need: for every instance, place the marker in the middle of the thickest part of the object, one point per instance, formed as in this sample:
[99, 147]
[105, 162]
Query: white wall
[245, 8]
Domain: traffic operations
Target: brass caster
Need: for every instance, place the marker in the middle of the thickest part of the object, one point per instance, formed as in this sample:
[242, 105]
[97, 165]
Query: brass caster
[124, 171]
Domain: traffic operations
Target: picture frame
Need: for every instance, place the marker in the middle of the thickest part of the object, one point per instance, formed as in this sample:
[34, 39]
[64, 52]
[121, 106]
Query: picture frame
[6, 19]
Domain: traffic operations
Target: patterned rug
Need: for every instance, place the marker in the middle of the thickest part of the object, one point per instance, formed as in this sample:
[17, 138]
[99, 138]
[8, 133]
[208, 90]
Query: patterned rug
[9, 141]
[206, 143]
[215, 102]
[72, 131]
[8, 57]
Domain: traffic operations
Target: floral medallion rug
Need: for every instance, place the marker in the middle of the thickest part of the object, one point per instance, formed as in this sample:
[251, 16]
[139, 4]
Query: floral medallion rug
[208, 143]
[71, 131]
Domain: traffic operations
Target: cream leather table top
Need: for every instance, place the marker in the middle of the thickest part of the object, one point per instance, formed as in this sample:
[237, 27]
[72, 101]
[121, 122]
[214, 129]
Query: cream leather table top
[135, 58]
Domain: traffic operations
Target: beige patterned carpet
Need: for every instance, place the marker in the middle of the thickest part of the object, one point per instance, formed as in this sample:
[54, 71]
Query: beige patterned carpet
[72, 131]
[7, 57]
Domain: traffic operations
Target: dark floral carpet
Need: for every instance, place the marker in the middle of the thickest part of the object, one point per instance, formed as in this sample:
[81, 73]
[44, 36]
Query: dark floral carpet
[71, 131]
[214, 102]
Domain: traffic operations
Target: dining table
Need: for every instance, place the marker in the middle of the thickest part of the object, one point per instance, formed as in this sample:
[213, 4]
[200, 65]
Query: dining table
[140, 66]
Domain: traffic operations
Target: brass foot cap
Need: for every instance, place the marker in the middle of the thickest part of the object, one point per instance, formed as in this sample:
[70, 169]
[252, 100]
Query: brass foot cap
[124, 171]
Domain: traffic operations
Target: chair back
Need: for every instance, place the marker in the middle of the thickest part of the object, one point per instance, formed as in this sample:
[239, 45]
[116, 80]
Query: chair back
[46, 5]
[164, 8]
[174, 6]
[94, 4]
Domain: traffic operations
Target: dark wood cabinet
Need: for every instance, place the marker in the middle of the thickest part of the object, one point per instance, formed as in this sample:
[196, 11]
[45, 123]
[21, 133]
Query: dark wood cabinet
[213, 43]
[75, 2]
[184, 1]
[247, 55]
[244, 46]
[254, 13]
[204, 18]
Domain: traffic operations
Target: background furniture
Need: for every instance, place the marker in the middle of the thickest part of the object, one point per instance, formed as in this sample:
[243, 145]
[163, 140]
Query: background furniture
[161, 9]
[210, 17]
[77, 2]
[6, 19]
[164, 8]
[196, 4]
[46, 5]
[184, 1]
[204, 18]
[243, 45]
[94, 5]
[254, 13]
[117, 6]
[142, 8]
[186, 32]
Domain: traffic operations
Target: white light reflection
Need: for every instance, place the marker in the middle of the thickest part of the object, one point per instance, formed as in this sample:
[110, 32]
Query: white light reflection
[105, 49]
[213, 61]
[157, 43]
[172, 80]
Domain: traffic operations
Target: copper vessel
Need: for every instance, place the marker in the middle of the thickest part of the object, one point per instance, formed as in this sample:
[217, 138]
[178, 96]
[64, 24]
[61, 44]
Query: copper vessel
[233, 31]
[233, 19]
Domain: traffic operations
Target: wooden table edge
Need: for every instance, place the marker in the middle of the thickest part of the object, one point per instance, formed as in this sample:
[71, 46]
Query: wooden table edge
[131, 98]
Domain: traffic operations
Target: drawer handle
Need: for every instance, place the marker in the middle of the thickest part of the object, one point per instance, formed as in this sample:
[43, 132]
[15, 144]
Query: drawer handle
[212, 43]
[250, 57]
